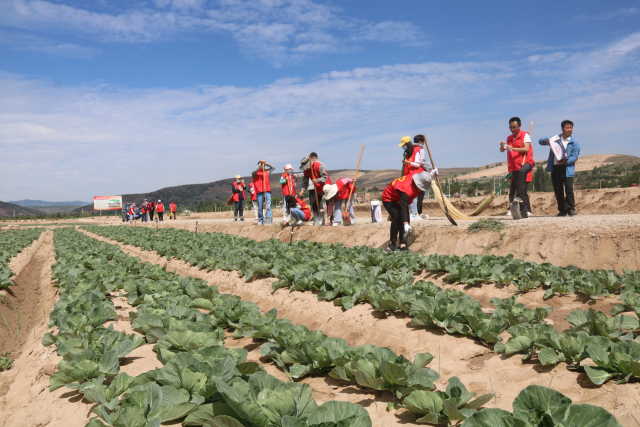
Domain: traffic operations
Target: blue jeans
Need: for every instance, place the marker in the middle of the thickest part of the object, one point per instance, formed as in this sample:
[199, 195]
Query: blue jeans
[337, 211]
[296, 214]
[264, 200]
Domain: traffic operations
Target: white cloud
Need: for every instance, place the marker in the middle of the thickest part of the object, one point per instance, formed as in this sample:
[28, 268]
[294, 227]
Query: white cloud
[277, 30]
[118, 139]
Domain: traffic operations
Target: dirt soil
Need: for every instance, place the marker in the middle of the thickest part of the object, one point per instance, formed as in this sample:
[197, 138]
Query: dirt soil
[479, 368]
[24, 398]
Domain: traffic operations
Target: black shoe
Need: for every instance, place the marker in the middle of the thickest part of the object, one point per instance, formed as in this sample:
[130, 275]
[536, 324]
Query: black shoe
[524, 214]
[562, 214]
[391, 247]
[572, 212]
[403, 248]
[241, 219]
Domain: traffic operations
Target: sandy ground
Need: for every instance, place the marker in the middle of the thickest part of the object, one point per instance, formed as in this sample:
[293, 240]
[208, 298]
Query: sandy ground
[479, 368]
[588, 241]
[24, 398]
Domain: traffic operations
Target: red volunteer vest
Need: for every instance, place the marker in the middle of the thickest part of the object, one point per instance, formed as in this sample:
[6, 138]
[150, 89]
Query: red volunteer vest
[305, 208]
[262, 181]
[160, 207]
[289, 187]
[236, 197]
[313, 172]
[345, 186]
[405, 185]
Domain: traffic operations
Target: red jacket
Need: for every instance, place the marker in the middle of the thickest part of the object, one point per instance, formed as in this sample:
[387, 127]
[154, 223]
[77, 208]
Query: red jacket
[346, 186]
[404, 184]
[261, 181]
[172, 207]
[314, 172]
[305, 208]
[289, 187]
[239, 186]
[159, 207]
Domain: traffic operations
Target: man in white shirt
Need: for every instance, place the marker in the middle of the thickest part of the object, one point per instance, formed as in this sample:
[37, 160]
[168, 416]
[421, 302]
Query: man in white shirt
[564, 151]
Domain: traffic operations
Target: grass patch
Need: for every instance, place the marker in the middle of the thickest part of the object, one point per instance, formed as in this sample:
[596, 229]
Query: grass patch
[5, 362]
[486, 225]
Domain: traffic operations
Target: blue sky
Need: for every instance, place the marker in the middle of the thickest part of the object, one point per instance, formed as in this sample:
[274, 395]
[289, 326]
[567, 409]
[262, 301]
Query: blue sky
[110, 97]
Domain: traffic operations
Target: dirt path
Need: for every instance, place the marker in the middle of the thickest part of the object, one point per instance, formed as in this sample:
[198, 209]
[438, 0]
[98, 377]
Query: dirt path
[24, 398]
[480, 369]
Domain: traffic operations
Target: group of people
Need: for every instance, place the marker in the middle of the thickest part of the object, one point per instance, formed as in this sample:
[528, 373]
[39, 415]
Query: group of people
[146, 211]
[331, 202]
[564, 152]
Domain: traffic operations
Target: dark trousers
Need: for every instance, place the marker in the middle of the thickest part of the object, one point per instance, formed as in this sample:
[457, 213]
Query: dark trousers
[420, 198]
[396, 232]
[315, 208]
[238, 209]
[151, 215]
[519, 187]
[160, 216]
[563, 188]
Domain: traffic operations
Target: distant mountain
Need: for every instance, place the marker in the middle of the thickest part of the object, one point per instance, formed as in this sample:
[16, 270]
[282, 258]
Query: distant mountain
[217, 192]
[9, 210]
[29, 203]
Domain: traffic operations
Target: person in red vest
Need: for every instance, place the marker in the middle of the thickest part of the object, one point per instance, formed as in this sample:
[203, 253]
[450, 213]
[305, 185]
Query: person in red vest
[337, 195]
[238, 196]
[160, 210]
[315, 172]
[299, 211]
[520, 164]
[396, 198]
[151, 207]
[262, 184]
[173, 209]
[288, 187]
[143, 211]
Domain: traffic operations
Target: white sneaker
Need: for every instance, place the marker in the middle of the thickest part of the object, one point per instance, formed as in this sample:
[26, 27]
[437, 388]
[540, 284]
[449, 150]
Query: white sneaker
[508, 213]
[299, 222]
[335, 224]
[529, 214]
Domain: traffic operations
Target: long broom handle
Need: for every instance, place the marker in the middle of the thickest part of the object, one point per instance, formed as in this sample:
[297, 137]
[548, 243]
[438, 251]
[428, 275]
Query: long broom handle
[433, 164]
[355, 178]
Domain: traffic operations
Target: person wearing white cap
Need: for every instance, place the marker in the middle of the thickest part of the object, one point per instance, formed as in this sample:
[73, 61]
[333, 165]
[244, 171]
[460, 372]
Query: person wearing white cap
[336, 195]
[396, 198]
[288, 186]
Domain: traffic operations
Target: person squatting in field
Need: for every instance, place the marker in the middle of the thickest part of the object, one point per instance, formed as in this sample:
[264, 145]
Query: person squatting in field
[564, 151]
[262, 184]
[299, 211]
[520, 164]
[396, 198]
[316, 173]
[237, 197]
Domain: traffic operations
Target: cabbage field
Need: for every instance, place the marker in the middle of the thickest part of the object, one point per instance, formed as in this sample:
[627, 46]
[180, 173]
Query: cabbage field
[202, 381]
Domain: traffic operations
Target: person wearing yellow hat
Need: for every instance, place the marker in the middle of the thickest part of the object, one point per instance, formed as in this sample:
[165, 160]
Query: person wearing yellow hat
[237, 197]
